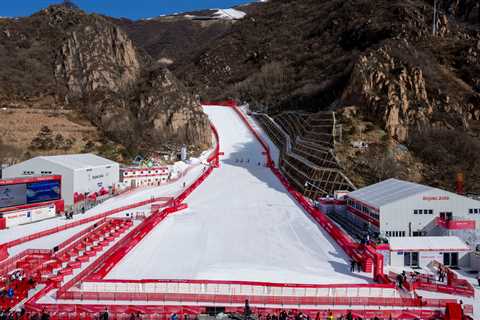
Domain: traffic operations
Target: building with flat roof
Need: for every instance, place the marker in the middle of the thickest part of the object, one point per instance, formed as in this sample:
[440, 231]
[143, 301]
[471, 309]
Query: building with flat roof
[81, 173]
[413, 252]
[396, 208]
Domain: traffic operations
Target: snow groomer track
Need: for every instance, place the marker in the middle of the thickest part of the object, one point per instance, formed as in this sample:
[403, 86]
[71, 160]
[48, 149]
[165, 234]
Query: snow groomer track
[235, 233]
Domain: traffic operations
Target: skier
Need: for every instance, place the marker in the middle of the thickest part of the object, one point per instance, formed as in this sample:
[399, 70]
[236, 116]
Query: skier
[184, 184]
[104, 315]
[349, 315]
[330, 316]
[400, 281]
[247, 312]
[45, 315]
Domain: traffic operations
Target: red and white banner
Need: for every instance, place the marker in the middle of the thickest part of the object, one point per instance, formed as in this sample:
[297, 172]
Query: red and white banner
[17, 217]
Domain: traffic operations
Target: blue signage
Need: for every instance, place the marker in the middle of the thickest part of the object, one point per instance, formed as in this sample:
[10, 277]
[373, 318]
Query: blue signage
[43, 191]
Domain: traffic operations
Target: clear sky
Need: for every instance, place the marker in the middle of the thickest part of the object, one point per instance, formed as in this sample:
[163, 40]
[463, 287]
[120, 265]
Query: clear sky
[133, 9]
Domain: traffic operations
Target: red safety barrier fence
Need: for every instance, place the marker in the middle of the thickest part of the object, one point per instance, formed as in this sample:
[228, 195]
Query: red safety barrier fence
[91, 311]
[77, 236]
[257, 299]
[104, 264]
[11, 263]
[344, 241]
[149, 224]
[108, 260]
[253, 283]
[454, 286]
[51, 231]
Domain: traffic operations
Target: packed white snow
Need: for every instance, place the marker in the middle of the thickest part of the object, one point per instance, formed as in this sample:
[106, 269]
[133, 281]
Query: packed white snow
[241, 225]
[229, 14]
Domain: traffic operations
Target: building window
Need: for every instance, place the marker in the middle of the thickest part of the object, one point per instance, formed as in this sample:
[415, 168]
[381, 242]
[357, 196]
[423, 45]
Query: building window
[419, 233]
[470, 211]
[475, 210]
[423, 211]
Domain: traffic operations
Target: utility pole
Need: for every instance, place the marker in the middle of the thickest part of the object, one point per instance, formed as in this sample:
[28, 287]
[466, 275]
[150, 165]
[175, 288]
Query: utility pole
[435, 17]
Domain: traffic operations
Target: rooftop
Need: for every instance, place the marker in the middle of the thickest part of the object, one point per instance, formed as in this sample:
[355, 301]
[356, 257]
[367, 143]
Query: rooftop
[78, 161]
[388, 191]
[452, 243]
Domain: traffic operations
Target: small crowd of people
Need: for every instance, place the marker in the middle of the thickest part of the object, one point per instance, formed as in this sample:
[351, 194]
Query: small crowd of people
[9, 314]
[44, 315]
[69, 215]
[242, 160]
[291, 315]
[16, 284]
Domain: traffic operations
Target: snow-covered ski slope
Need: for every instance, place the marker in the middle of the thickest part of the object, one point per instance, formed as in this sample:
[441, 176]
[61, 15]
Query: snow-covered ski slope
[241, 225]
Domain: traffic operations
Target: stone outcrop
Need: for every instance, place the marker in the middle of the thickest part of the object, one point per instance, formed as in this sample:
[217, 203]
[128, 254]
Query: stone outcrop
[391, 91]
[184, 120]
[395, 92]
[87, 63]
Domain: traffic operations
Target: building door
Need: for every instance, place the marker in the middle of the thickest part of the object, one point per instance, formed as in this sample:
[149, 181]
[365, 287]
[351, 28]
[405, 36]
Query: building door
[410, 259]
[454, 259]
[415, 260]
[450, 259]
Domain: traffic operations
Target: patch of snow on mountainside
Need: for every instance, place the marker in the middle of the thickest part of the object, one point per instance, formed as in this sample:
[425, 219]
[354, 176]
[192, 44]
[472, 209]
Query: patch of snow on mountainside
[229, 14]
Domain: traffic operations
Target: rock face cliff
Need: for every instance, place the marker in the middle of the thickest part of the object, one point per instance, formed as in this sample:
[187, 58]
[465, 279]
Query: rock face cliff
[86, 63]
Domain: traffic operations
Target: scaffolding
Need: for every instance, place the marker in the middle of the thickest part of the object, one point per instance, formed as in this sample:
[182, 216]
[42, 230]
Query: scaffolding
[307, 157]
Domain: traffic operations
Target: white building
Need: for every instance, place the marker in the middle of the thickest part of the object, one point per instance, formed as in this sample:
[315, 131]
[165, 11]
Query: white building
[81, 173]
[413, 252]
[396, 208]
[140, 177]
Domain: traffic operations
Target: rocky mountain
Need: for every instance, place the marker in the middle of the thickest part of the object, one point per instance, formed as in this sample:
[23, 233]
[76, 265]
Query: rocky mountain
[177, 39]
[411, 95]
[64, 59]
[412, 92]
